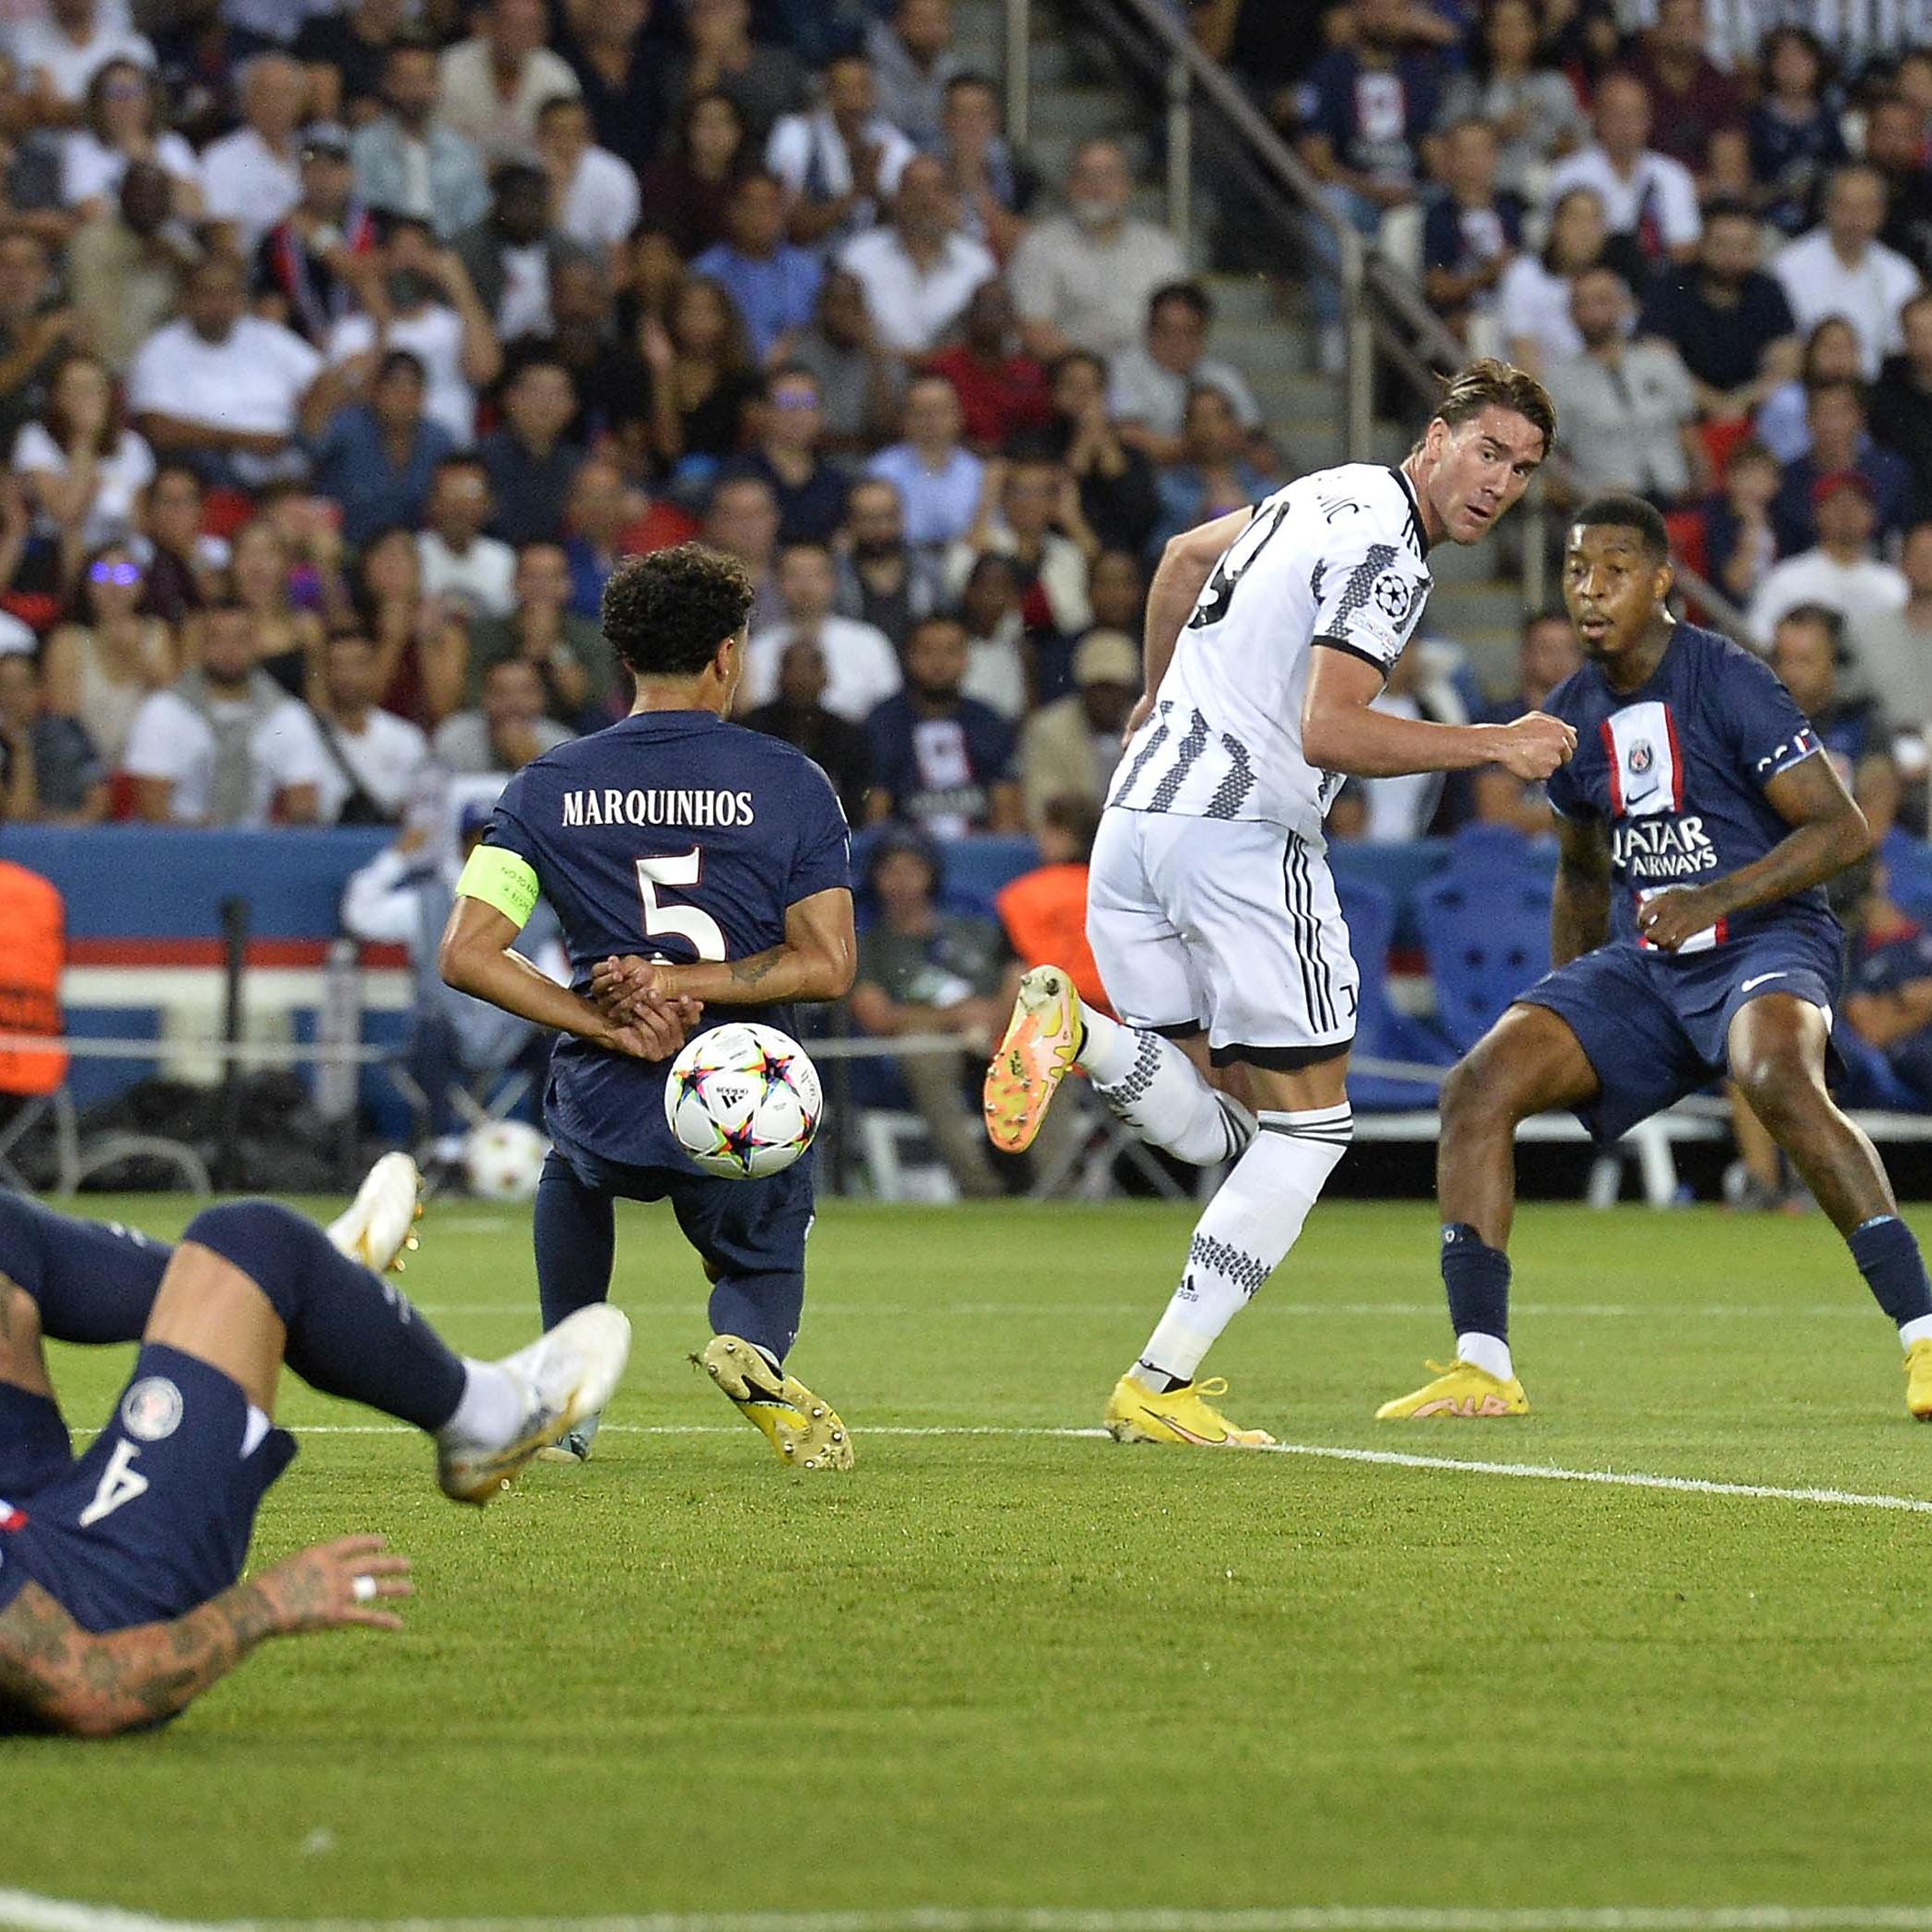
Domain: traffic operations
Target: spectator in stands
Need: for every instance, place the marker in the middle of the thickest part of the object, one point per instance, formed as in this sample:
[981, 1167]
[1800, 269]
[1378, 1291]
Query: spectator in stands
[81, 468]
[1726, 318]
[1548, 652]
[124, 268]
[409, 162]
[689, 189]
[50, 771]
[1068, 748]
[764, 80]
[741, 519]
[1212, 476]
[124, 120]
[1807, 652]
[1530, 103]
[566, 649]
[918, 270]
[1794, 132]
[422, 648]
[612, 384]
[1153, 381]
[1740, 540]
[35, 332]
[304, 273]
[288, 642]
[1081, 279]
[1423, 804]
[1532, 300]
[1644, 194]
[839, 163]
[942, 760]
[1626, 410]
[56, 51]
[1895, 144]
[506, 731]
[1117, 588]
[1831, 353]
[940, 483]
[1472, 229]
[378, 459]
[858, 384]
[912, 63]
[798, 716]
[530, 460]
[1889, 1003]
[223, 387]
[1841, 268]
[1890, 651]
[225, 745]
[1002, 391]
[599, 514]
[461, 567]
[861, 667]
[1902, 400]
[1117, 495]
[922, 971]
[491, 86]
[374, 758]
[510, 255]
[1692, 97]
[1839, 440]
[994, 187]
[1841, 573]
[178, 560]
[704, 380]
[609, 46]
[773, 283]
[595, 200]
[105, 659]
[882, 580]
[345, 53]
[989, 609]
[788, 428]
[253, 177]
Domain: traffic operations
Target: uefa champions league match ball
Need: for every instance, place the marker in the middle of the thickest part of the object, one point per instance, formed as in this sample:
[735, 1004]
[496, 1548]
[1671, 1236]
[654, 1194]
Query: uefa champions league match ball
[503, 1161]
[742, 1101]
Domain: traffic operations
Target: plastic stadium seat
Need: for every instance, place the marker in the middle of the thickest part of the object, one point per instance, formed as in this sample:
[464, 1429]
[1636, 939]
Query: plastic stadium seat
[1381, 1032]
[1486, 929]
[1908, 872]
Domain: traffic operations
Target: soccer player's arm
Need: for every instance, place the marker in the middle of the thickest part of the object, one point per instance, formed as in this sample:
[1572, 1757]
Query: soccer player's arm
[1580, 904]
[57, 1678]
[1182, 574]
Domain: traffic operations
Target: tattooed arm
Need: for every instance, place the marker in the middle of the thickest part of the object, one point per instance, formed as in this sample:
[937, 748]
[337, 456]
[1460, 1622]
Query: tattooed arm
[816, 961]
[54, 1676]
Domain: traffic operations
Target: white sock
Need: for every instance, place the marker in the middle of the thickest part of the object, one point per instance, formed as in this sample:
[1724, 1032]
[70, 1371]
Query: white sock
[1246, 1233]
[1919, 1329]
[1150, 1085]
[490, 1409]
[1488, 1352]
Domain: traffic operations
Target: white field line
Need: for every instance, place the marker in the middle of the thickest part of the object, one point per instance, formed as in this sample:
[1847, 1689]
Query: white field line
[29, 1911]
[1851, 1309]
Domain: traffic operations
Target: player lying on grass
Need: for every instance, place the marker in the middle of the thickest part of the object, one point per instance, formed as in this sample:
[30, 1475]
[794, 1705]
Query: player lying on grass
[119, 1604]
[1690, 938]
[726, 854]
[1210, 909]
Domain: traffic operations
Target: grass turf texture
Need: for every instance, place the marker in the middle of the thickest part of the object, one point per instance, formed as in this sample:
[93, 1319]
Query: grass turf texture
[1022, 1670]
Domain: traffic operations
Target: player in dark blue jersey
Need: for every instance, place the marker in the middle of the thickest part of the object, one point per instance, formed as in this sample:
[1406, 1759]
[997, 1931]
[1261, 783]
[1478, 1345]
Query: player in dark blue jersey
[723, 855]
[119, 1604]
[1698, 820]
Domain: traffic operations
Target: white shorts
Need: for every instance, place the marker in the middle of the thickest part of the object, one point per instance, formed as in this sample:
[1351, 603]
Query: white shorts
[1227, 924]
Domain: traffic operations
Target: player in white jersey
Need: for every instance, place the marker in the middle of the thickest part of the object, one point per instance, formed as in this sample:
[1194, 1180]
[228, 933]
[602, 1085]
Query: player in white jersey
[1210, 910]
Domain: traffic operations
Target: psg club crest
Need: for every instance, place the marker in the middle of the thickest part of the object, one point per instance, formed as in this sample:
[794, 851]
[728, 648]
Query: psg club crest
[151, 1410]
[1642, 757]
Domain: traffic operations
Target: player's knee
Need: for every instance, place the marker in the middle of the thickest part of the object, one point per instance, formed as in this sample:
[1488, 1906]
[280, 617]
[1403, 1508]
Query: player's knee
[267, 1242]
[1782, 1088]
[19, 1325]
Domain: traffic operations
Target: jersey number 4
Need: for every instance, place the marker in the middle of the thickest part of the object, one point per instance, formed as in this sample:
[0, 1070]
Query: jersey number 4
[121, 1482]
[698, 930]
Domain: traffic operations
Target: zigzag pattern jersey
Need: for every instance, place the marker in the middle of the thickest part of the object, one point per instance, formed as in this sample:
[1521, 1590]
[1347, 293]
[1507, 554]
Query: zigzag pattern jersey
[1676, 773]
[1338, 558]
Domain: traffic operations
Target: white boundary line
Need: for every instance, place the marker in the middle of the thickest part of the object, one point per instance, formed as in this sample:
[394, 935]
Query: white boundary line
[30, 1912]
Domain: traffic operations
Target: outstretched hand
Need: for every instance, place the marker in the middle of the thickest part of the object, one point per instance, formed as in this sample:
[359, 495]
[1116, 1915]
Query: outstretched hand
[316, 1589]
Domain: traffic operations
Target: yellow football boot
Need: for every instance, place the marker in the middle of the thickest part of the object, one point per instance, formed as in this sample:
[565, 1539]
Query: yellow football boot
[1042, 1039]
[1918, 1380]
[1464, 1389]
[1136, 1414]
[805, 1431]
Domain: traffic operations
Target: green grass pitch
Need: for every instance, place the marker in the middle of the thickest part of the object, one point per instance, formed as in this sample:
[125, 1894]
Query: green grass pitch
[1007, 1669]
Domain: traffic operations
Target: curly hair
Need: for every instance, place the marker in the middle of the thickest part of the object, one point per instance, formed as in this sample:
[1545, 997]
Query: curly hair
[665, 615]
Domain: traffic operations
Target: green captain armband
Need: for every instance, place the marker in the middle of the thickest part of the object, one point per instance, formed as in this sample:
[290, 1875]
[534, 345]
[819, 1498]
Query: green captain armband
[503, 880]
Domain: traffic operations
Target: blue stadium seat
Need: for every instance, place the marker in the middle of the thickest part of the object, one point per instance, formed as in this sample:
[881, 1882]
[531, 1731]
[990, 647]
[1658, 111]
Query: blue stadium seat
[1868, 1079]
[1486, 928]
[1381, 1031]
[1908, 872]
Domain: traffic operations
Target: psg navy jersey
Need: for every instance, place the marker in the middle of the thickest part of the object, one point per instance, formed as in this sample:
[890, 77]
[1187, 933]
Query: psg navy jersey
[680, 838]
[1676, 773]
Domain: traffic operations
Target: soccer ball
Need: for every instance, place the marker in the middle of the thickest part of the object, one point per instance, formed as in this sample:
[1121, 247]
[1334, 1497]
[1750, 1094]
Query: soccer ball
[504, 1160]
[742, 1101]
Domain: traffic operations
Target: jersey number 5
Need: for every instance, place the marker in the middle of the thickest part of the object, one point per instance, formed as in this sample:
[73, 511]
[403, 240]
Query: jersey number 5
[698, 930]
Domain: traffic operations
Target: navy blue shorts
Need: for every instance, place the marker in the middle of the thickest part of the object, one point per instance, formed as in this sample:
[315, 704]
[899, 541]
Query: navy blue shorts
[739, 1228]
[156, 1518]
[1655, 1026]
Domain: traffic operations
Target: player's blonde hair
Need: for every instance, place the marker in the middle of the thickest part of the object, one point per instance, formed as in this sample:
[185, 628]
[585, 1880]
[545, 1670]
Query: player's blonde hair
[1494, 384]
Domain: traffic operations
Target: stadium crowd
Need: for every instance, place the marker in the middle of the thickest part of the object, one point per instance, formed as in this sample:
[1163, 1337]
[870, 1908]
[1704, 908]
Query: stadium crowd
[345, 345]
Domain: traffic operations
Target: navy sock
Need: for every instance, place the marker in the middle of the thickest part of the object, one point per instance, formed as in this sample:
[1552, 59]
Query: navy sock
[1893, 1269]
[575, 1234]
[350, 1333]
[1477, 1279]
[93, 1283]
[763, 1309]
